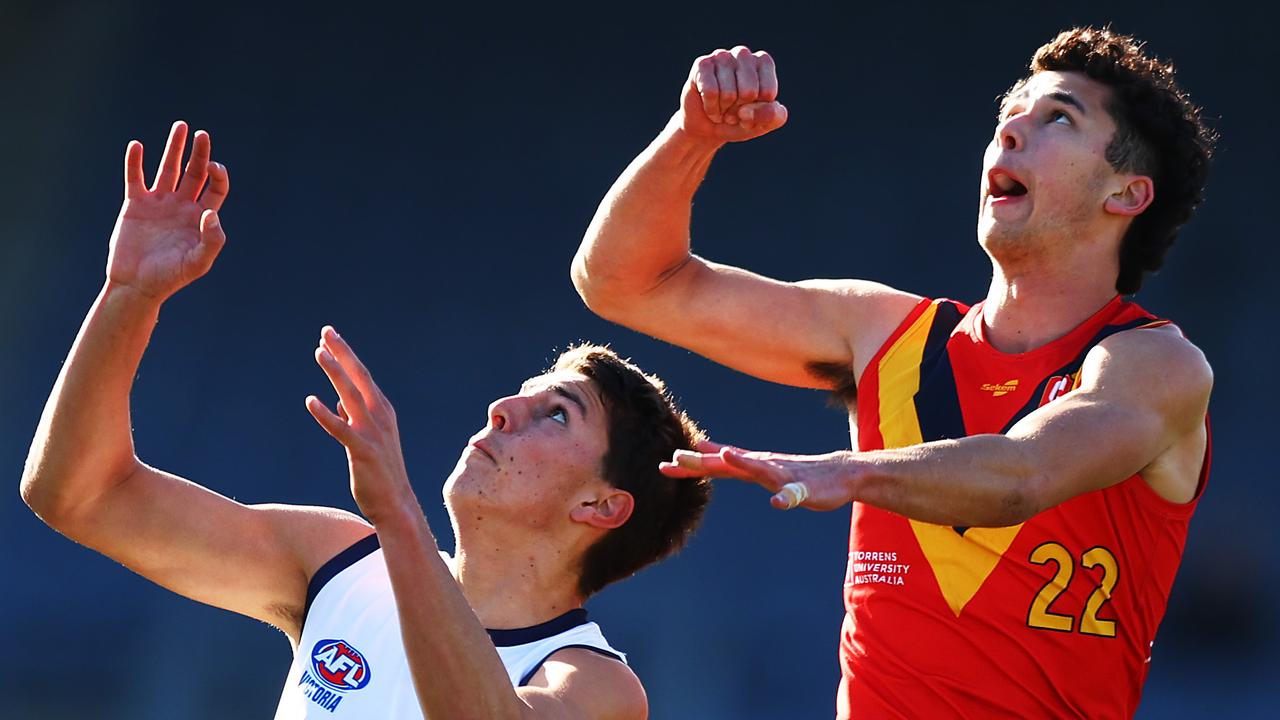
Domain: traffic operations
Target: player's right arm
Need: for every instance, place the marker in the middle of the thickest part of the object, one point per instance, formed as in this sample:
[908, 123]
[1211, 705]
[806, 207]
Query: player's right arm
[82, 476]
[635, 266]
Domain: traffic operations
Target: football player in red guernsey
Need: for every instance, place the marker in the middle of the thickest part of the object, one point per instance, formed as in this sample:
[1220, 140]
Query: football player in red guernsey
[1026, 467]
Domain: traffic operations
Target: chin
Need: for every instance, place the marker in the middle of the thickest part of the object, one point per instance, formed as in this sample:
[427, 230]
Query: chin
[469, 491]
[1003, 241]
[993, 239]
[462, 486]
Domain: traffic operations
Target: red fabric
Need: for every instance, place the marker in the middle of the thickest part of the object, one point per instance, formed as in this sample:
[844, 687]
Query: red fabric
[904, 651]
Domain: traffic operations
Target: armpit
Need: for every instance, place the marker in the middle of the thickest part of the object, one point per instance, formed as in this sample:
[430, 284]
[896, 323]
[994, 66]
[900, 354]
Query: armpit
[839, 379]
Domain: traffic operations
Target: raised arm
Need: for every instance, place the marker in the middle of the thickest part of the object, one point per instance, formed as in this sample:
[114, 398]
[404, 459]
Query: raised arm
[1140, 408]
[82, 476]
[635, 266]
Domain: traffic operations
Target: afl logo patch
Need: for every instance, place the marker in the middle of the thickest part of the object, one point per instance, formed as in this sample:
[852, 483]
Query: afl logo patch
[339, 666]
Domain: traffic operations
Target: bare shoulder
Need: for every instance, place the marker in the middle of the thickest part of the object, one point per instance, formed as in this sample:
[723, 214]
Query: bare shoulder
[1159, 362]
[310, 535]
[314, 533]
[1165, 380]
[588, 685]
[867, 313]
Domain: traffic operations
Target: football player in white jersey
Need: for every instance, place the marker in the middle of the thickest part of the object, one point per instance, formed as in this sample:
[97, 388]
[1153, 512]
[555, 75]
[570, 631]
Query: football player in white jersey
[557, 496]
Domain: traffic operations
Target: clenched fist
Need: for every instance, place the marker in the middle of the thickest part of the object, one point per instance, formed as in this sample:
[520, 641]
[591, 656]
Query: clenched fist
[731, 96]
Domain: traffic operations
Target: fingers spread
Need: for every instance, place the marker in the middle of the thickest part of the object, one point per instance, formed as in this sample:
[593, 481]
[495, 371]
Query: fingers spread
[352, 400]
[197, 167]
[212, 238]
[672, 470]
[359, 374]
[704, 463]
[766, 473]
[332, 424]
[135, 181]
[692, 460]
[171, 161]
[219, 185]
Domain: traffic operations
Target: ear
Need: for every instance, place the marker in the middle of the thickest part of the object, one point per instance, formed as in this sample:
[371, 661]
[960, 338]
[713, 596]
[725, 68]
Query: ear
[1136, 196]
[607, 512]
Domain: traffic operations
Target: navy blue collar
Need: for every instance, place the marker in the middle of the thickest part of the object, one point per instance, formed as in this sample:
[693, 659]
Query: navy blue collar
[541, 631]
[500, 638]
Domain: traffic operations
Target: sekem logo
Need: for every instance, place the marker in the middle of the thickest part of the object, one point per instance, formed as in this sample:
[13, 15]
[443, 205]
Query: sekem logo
[998, 389]
[340, 666]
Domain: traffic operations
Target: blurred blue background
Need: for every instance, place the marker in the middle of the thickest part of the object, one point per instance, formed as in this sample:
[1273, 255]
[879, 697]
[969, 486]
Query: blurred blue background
[420, 178]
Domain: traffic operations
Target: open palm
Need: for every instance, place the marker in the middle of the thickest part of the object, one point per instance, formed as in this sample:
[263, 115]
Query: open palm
[168, 235]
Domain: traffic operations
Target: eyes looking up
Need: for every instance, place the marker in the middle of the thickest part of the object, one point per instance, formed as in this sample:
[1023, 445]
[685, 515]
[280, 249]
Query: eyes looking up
[1056, 115]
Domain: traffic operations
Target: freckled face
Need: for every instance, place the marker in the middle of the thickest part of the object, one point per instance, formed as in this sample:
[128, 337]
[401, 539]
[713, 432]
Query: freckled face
[539, 448]
[1045, 173]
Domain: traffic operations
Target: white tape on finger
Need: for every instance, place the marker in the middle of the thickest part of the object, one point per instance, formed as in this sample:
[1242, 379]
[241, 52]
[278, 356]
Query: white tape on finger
[797, 493]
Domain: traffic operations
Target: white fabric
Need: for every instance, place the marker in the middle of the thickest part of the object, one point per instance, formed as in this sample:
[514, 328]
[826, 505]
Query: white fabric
[367, 671]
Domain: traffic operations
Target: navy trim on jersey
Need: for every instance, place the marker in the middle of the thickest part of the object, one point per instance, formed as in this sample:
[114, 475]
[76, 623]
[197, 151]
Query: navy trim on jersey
[599, 651]
[501, 638]
[541, 631]
[335, 565]
[936, 400]
[1072, 367]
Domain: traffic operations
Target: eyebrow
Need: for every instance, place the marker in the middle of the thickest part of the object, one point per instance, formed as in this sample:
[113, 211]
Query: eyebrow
[1067, 98]
[564, 393]
[1061, 96]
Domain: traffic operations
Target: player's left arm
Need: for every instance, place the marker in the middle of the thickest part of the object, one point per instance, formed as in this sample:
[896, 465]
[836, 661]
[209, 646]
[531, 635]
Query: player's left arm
[1143, 394]
[456, 670]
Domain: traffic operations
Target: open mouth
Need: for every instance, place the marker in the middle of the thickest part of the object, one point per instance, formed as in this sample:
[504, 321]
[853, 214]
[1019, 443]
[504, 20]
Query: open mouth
[1002, 184]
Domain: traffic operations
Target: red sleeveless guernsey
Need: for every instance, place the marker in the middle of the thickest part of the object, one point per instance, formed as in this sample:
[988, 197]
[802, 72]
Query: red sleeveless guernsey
[1052, 618]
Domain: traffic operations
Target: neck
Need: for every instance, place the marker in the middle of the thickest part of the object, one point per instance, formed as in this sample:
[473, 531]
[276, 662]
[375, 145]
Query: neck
[1030, 307]
[515, 588]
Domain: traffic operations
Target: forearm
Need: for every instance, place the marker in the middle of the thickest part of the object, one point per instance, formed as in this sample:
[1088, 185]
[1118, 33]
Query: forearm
[978, 481]
[83, 443]
[640, 232]
[456, 670]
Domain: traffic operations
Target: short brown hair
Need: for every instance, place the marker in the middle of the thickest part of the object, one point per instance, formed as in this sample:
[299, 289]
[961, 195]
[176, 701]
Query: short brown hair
[644, 428]
[1159, 133]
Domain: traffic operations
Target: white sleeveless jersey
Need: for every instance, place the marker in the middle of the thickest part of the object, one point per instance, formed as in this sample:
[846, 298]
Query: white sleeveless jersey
[351, 662]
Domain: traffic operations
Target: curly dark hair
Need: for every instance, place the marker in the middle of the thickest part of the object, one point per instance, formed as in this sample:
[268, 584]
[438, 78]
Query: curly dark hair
[644, 428]
[1159, 133]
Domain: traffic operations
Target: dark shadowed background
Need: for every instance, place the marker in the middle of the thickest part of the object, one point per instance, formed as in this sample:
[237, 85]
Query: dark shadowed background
[420, 178]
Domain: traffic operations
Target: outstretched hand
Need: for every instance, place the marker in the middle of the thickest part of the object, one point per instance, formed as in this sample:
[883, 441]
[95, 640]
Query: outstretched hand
[816, 482]
[365, 424]
[169, 234]
[731, 96]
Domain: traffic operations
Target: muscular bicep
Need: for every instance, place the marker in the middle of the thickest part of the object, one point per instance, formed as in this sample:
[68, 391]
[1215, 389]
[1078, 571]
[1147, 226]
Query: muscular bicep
[580, 684]
[771, 329]
[1143, 396]
[253, 560]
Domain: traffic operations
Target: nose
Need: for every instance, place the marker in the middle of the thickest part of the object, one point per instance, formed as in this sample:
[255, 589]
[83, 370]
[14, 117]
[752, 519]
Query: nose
[1009, 133]
[506, 414]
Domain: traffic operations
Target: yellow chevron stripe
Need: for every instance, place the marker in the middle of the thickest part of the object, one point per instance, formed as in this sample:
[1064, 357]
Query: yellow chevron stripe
[899, 372]
[960, 563]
